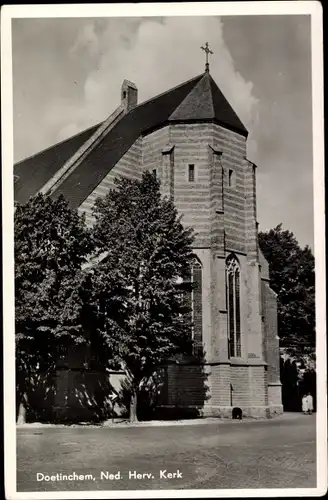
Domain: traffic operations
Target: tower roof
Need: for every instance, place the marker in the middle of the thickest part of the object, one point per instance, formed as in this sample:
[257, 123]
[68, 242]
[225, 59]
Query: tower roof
[196, 100]
[205, 101]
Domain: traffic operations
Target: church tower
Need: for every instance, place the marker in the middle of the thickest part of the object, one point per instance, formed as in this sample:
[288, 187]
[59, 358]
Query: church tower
[203, 167]
[193, 139]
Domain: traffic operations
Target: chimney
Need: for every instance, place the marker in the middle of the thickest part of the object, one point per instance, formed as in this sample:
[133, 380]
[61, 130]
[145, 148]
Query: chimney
[129, 95]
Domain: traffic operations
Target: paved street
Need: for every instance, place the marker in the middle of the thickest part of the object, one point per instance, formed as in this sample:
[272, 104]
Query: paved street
[277, 453]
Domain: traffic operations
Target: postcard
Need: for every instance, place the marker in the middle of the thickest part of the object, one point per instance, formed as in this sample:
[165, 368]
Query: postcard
[164, 250]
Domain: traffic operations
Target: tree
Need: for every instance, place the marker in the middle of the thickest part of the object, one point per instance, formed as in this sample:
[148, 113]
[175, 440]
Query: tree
[292, 277]
[51, 244]
[142, 313]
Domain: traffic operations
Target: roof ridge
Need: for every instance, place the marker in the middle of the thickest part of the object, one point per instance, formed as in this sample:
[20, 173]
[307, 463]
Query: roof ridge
[83, 151]
[197, 96]
[167, 91]
[57, 143]
[213, 82]
[100, 123]
[211, 92]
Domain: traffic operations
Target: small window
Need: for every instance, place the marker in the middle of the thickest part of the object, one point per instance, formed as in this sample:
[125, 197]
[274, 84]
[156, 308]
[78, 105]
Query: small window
[191, 173]
[232, 178]
[124, 94]
[155, 172]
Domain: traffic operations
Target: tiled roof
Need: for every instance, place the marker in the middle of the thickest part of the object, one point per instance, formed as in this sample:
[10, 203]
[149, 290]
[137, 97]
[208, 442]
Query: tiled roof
[33, 172]
[140, 120]
[197, 99]
[206, 102]
[198, 104]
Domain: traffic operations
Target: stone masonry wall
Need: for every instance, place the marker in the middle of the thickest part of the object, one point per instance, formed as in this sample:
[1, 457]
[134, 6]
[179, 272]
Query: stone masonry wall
[254, 321]
[187, 385]
[233, 147]
[215, 389]
[128, 166]
[221, 197]
[271, 346]
[192, 199]
[220, 382]
[271, 339]
[152, 147]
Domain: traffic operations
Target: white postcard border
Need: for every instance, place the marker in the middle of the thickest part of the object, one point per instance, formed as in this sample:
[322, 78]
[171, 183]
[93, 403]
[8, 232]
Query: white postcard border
[9, 12]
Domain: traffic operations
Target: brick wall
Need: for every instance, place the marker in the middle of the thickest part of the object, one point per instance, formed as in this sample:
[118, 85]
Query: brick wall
[187, 385]
[217, 201]
[250, 212]
[205, 257]
[128, 166]
[197, 306]
[240, 386]
[258, 386]
[152, 150]
[220, 383]
[271, 340]
[233, 147]
[227, 386]
[253, 321]
[224, 219]
[192, 199]
[219, 333]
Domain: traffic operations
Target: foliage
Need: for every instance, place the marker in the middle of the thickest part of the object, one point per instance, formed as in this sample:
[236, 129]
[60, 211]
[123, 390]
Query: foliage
[298, 377]
[292, 277]
[141, 311]
[51, 245]
[148, 396]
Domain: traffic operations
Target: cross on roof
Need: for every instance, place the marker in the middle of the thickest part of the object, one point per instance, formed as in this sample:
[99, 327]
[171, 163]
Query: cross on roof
[207, 51]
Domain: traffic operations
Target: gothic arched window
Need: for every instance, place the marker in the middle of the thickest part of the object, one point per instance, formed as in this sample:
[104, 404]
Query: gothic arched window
[197, 307]
[233, 305]
[195, 304]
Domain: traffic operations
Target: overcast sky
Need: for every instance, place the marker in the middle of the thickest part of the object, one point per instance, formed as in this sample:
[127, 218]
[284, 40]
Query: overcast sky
[67, 75]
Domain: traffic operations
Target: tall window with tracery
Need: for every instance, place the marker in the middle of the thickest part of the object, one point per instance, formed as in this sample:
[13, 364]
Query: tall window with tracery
[233, 305]
[194, 302]
[197, 309]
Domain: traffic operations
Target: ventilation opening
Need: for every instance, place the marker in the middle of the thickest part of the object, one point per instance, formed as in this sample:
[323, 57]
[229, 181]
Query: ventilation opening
[237, 413]
[191, 173]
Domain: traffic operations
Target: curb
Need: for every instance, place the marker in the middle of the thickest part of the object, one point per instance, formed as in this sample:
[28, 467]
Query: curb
[154, 423]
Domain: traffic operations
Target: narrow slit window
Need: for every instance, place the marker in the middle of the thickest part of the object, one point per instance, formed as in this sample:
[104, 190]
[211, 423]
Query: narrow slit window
[155, 172]
[232, 178]
[191, 173]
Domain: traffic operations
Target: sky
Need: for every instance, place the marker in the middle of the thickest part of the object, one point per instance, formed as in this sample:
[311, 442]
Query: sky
[67, 76]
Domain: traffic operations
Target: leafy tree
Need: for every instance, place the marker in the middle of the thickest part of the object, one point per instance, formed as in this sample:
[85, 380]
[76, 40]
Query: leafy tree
[51, 244]
[293, 279]
[142, 314]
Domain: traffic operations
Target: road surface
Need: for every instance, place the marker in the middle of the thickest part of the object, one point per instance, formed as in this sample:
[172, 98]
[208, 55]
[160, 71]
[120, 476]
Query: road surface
[276, 453]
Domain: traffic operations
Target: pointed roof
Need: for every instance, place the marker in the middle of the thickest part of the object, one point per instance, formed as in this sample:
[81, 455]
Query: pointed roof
[198, 104]
[206, 102]
[198, 99]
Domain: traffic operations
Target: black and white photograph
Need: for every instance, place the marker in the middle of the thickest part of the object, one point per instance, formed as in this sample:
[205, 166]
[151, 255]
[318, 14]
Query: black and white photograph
[164, 271]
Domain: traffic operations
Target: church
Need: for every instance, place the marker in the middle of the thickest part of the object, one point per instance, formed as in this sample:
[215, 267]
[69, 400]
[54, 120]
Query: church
[195, 143]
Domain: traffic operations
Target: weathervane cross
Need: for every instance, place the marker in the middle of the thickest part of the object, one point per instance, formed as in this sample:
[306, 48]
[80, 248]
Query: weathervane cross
[207, 51]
